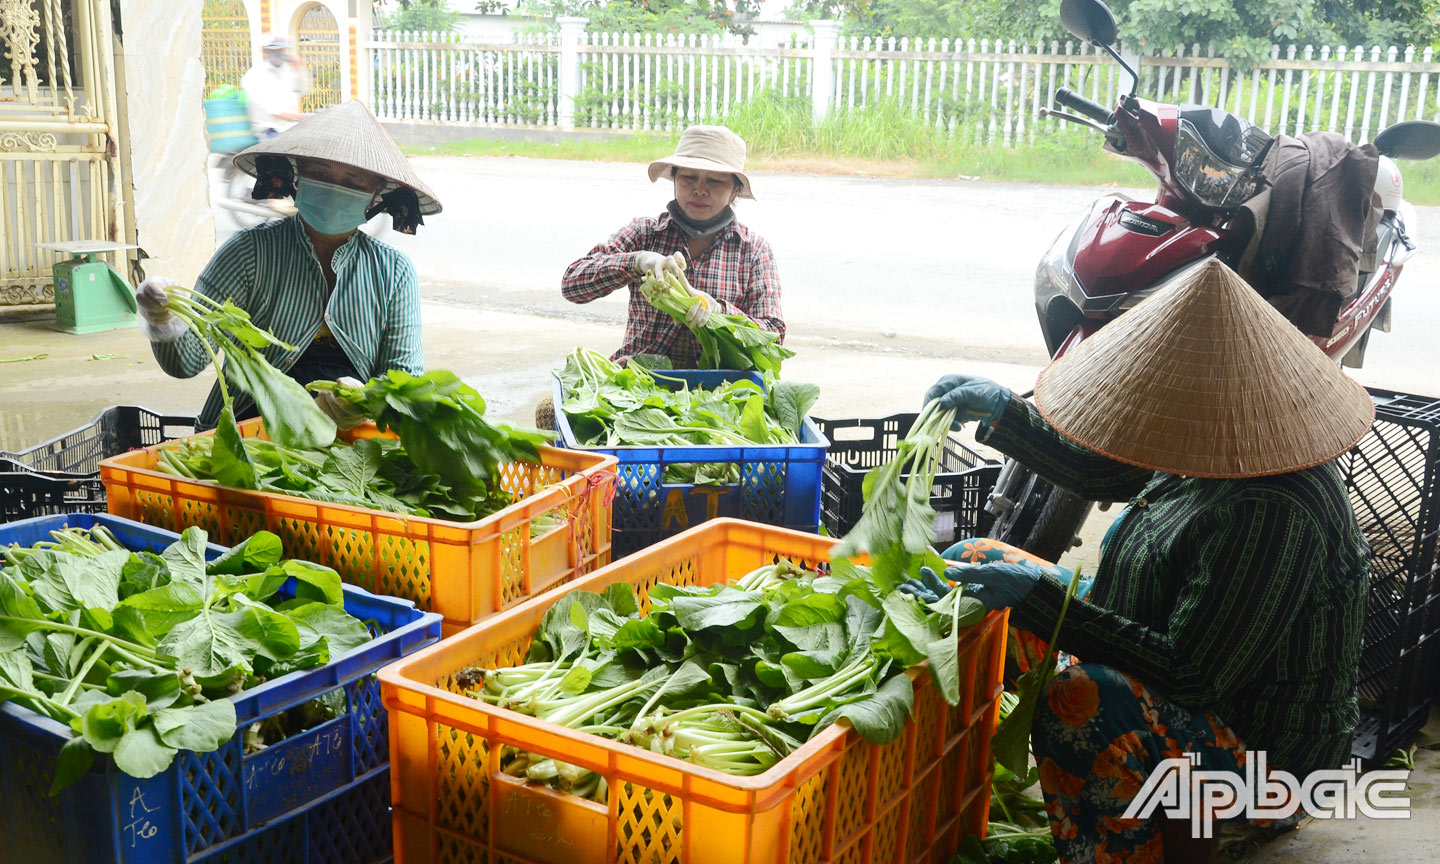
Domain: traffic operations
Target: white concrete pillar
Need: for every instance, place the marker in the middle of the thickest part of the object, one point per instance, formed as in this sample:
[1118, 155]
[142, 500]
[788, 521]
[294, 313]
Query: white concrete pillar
[571, 29]
[822, 72]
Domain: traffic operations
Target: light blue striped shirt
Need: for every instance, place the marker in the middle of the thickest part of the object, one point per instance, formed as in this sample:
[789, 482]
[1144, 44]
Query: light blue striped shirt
[271, 271]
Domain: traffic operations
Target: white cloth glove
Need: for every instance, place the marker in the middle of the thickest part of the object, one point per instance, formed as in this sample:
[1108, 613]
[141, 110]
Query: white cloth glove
[156, 322]
[345, 414]
[699, 314]
[651, 262]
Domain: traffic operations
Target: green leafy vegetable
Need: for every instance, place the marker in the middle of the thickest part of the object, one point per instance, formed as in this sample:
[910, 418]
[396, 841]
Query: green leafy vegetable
[137, 652]
[442, 421]
[726, 341]
[729, 676]
[897, 522]
[376, 473]
[613, 406]
[291, 415]
[1011, 742]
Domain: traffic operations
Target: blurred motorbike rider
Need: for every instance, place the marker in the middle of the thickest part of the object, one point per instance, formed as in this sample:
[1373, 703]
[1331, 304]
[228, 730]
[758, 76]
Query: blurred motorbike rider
[274, 87]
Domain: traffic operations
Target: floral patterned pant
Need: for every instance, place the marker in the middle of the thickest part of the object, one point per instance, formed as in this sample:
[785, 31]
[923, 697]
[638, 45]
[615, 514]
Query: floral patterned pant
[1098, 735]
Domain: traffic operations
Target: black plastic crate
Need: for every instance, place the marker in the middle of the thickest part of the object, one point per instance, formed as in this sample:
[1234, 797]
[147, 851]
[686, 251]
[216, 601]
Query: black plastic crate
[961, 485]
[25, 492]
[1393, 475]
[62, 475]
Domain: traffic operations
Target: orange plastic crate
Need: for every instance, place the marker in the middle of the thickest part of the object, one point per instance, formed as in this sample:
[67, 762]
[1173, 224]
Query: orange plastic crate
[465, 571]
[837, 799]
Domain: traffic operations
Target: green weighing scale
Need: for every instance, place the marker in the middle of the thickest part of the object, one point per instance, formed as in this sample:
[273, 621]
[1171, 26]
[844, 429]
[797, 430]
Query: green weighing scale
[90, 295]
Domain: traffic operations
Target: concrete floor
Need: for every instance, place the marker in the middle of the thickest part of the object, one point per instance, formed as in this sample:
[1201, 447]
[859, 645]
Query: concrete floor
[502, 327]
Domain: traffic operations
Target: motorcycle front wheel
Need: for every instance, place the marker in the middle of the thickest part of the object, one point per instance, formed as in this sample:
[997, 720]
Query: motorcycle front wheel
[1041, 518]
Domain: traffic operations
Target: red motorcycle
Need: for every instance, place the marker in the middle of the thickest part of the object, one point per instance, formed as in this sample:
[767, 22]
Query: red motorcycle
[1208, 162]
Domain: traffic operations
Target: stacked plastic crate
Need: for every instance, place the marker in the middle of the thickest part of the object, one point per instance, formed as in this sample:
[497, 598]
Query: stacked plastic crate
[1394, 479]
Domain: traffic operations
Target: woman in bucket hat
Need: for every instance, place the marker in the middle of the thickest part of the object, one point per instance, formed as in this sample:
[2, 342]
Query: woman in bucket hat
[349, 303]
[726, 263]
[1225, 618]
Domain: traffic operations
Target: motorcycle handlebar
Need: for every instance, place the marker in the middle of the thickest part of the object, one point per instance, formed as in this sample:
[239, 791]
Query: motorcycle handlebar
[1082, 106]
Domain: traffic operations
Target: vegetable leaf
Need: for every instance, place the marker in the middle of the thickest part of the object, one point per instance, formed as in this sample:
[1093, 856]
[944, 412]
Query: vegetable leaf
[791, 402]
[160, 609]
[879, 717]
[74, 762]
[728, 608]
[342, 631]
[230, 463]
[256, 552]
[186, 558]
[201, 728]
[211, 644]
[141, 753]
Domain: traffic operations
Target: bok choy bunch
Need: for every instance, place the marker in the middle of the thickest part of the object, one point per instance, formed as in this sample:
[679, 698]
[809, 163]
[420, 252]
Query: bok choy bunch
[726, 341]
[733, 677]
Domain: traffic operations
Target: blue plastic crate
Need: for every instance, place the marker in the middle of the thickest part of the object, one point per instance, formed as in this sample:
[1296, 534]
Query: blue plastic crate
[779, 484]
[319, 796]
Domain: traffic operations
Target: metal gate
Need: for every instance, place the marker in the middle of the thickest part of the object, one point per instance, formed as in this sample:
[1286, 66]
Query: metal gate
[60, 173]
[319, 45]
[225, 43]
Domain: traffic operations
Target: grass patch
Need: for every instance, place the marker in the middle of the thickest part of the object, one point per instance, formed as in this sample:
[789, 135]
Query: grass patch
[620, 148]
[882, 140]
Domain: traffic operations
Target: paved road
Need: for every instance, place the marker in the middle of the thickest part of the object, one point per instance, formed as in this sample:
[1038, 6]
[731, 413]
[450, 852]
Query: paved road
[941, 268]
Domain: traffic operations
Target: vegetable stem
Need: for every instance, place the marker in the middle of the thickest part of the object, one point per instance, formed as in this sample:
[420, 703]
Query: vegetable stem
[69, 693]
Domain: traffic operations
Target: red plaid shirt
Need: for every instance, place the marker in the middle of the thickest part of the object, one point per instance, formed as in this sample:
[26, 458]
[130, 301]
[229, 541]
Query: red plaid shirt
[738, 271]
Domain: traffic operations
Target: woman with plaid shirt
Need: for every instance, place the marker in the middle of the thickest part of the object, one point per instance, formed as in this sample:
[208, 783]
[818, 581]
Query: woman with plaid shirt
[727, 264]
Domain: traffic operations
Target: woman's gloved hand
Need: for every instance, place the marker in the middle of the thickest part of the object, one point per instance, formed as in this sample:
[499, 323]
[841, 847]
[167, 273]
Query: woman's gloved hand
[345, 414]
[697, 316]
[929, 587]
[972, 398]
[998, 584]
[156, 322]
[660, 265]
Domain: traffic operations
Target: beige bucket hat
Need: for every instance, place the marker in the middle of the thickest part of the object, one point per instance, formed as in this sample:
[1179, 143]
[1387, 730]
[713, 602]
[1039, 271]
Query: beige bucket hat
[1205, 379]
[707, 148]
[350, 135]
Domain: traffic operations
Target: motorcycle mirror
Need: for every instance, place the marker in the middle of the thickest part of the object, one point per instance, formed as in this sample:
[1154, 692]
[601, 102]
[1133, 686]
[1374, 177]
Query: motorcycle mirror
[1089, 21]
[1413, 139]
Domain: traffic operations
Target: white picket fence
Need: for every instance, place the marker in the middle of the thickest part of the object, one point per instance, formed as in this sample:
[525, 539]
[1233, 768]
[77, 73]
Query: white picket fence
[625, 80]
[988, 90]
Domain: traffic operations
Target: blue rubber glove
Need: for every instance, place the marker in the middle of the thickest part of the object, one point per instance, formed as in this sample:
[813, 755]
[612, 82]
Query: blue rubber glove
[998, 584]
[929, 587]
[972, 398]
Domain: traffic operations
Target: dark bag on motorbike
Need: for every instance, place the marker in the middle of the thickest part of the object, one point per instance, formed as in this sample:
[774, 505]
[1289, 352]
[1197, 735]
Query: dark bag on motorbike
[1314, 228]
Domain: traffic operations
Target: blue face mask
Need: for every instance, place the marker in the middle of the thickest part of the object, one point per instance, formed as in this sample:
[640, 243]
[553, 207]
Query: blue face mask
[331, 209]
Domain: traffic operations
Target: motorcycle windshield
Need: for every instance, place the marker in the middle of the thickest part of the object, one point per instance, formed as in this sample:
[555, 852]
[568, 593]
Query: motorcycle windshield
[1235, 141]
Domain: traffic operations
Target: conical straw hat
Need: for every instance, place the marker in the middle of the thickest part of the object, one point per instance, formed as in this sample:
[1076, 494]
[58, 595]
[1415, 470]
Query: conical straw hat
[1205, 379]
[349, 134]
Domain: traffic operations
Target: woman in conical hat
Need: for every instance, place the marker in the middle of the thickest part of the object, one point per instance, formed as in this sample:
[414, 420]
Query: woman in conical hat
[1225, 618]
[728, 264]
[350, 303]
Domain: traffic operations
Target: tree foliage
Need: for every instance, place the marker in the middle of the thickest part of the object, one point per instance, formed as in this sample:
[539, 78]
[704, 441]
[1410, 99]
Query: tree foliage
[423, 16]
[1240, 29]
[653, 16]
